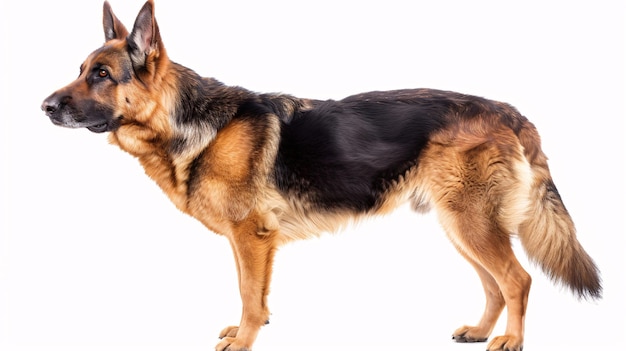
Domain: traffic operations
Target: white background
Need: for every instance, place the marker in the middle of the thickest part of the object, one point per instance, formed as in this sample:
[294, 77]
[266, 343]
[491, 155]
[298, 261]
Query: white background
[94, 257]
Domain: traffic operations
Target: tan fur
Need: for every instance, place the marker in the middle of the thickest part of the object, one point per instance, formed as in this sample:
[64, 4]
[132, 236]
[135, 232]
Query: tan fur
[480, 197]
[487, 180]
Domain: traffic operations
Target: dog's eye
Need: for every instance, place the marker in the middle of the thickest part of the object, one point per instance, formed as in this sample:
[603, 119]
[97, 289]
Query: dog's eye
[103, 73]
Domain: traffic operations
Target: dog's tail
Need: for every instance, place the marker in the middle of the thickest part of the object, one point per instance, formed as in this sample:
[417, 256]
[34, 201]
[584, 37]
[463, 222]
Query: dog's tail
[548, 234]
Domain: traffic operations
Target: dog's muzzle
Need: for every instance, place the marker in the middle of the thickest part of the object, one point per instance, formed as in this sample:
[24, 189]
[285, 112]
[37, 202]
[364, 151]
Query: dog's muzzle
[58, 108]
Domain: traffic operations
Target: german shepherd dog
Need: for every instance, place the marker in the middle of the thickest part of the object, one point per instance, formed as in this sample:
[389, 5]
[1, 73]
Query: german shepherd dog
[265, 169]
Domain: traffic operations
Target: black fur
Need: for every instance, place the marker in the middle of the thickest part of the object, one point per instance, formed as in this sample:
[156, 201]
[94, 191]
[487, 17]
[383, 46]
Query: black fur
[343, 154]
[335, 154]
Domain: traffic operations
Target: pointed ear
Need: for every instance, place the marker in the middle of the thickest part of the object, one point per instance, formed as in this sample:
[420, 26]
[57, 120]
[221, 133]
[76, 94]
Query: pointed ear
[145, 41]
[113, 28]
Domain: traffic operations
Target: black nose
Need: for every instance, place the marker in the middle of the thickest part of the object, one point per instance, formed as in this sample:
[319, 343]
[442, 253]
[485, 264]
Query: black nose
[54, 103]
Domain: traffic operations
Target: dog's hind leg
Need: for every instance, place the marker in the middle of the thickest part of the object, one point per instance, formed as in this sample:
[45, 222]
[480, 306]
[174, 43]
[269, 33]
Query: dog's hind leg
[504, 280]
[254, 254]
[478, 189]
[494, 305]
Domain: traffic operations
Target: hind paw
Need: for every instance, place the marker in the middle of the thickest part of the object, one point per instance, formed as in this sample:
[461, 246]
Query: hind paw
[469, 334]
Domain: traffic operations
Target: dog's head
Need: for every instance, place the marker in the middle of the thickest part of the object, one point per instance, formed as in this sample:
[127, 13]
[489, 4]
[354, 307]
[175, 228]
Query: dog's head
[114, 80]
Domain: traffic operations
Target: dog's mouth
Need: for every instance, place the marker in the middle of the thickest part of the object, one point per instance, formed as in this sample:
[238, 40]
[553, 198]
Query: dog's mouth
[99, 128]
[102, 126]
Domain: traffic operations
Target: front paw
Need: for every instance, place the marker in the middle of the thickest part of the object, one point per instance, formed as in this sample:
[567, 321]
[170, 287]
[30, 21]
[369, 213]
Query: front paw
[234, 338]
[469, 334]
[229, 343]
[506, 343]
[230, 331]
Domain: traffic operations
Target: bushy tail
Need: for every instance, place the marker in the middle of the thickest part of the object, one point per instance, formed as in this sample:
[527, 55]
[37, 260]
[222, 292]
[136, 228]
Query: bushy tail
[548, 234]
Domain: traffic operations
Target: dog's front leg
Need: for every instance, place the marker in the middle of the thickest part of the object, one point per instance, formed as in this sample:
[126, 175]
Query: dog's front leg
[254, 254]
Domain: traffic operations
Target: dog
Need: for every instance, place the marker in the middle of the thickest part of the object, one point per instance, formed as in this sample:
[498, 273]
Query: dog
[266, 169]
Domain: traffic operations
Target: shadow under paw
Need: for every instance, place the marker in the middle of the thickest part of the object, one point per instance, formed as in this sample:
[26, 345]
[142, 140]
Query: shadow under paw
[463, 338]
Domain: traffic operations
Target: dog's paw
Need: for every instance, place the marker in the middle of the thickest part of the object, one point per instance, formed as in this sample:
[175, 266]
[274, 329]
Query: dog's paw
[229, 332]
[469, 334]
[506, 343]
[231, 344]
